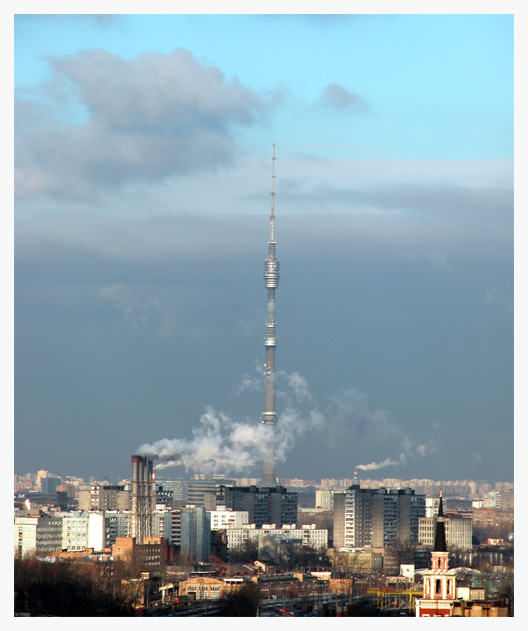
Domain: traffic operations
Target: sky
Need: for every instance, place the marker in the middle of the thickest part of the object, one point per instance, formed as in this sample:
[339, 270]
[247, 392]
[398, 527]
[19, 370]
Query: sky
[142, 179]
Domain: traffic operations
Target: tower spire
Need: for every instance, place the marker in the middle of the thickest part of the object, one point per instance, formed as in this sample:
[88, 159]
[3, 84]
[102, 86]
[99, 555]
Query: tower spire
[272, 215]
[439, 587]
[440, 544]
[271, 279]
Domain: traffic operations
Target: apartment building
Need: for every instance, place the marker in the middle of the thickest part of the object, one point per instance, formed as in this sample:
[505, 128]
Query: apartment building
[37, 536]
[458, 530]
[225, 518]
[308, 535]
[378, 517]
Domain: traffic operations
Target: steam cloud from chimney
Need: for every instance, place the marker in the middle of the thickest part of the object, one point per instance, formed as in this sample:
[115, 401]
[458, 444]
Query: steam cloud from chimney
[388, 462]
[220, 444]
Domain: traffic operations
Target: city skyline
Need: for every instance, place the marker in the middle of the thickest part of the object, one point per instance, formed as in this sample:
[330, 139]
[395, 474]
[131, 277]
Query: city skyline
[142, 162]
[449, 486]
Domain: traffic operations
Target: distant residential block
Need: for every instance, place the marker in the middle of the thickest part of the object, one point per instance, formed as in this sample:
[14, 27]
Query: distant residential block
[459, 532]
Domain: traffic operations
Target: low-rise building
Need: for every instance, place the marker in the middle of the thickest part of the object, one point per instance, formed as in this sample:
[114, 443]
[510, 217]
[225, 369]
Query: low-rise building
[209, 588]
[480, 609]
[150, 555]
[367, 560]
[308, 535]
[283, 585]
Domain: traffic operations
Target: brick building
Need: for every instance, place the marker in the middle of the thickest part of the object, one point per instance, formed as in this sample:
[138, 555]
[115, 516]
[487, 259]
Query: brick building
[493, 518]
[150, 555]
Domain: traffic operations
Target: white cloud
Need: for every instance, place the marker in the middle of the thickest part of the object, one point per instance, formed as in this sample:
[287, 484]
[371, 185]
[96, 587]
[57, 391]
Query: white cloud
[147, 118]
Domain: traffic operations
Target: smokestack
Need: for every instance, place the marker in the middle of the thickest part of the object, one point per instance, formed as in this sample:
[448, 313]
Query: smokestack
[135, 468]
[142, 499]
[271, 278]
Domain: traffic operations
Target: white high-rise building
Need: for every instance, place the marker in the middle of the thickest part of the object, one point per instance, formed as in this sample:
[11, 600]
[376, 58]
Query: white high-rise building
[223, 518]
[431, 506]
[458, 532]
[81, 530]
[74, 531]
[324, 498]
[39, 536]
[96, 531]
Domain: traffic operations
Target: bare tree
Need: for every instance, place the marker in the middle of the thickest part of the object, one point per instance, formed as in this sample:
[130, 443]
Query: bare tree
[67, 588]
[242, 602]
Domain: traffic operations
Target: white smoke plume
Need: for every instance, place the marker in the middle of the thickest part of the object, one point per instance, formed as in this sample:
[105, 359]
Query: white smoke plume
[292, 388]
[388, 462]
[248, 383]
[292, 424]
[221, 444]
[409, 451]
[299, 386]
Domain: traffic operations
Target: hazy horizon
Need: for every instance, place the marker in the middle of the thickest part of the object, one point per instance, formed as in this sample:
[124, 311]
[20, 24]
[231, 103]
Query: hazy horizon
[142, 195]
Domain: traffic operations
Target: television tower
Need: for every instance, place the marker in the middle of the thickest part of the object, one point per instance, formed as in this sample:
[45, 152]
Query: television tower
[271, 278]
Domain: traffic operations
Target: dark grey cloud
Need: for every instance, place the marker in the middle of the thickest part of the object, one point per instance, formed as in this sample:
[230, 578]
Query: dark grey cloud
[400, 288]
[337, 97]
[395, 351]
[144, 119]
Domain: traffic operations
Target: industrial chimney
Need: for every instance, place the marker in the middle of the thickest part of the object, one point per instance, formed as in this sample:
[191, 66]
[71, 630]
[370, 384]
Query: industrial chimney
[142, 499]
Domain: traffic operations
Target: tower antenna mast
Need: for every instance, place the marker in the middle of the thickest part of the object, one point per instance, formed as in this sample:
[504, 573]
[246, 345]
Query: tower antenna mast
[272, 215]
[271, 278]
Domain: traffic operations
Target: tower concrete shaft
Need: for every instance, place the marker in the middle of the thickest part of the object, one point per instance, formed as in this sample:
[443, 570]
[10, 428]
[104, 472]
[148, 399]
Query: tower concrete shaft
[271, 278]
